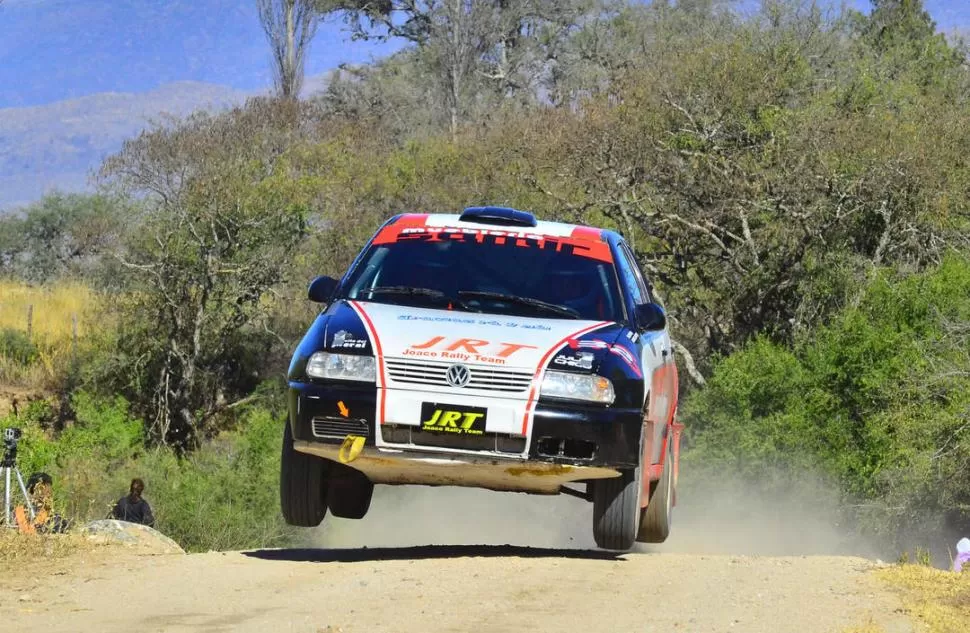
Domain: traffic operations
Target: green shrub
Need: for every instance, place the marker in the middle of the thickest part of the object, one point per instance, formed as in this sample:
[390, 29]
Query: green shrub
[16, 346]
[222, 496]
[879, 399]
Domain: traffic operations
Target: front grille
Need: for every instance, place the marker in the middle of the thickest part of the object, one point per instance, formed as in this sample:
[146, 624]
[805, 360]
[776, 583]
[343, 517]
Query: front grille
[481, 378]
[493, 442]
[339, 427]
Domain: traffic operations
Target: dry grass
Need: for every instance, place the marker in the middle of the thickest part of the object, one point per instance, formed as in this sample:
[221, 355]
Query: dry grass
[16, 547]
[53, 307]
[51, 328]
[937, 601]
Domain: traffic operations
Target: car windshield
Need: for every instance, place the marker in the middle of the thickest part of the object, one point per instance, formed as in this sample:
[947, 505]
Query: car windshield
[483, 272]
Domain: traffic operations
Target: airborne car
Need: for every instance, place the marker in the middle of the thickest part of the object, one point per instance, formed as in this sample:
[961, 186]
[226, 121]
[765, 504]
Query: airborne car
[491, 350]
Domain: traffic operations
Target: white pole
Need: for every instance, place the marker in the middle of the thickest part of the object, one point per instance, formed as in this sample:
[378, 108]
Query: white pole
[6, 497]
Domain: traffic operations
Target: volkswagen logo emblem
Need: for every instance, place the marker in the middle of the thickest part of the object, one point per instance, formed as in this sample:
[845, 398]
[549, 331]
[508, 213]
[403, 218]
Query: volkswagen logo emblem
[457, 376]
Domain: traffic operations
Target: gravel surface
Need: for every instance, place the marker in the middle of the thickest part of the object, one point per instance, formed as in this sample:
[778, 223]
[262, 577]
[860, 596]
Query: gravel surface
[445, 588]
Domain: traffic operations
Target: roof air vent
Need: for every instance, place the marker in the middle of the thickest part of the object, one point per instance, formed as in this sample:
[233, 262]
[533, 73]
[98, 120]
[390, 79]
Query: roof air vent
[498, 215]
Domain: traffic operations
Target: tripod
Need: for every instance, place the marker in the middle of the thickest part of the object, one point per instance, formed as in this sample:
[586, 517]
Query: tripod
[9, 466]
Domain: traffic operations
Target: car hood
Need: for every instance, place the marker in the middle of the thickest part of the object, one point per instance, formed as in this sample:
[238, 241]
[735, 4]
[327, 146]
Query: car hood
[392, 331]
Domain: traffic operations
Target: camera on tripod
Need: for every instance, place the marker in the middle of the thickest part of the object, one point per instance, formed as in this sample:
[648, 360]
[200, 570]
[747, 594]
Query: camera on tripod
[10, 438]
[8, 466]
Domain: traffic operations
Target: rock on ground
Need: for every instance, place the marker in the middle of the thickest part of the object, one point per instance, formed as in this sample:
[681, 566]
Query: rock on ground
[131, 534]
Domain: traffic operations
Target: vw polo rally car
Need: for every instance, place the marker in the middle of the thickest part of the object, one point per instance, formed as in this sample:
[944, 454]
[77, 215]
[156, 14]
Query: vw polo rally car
[490, 350]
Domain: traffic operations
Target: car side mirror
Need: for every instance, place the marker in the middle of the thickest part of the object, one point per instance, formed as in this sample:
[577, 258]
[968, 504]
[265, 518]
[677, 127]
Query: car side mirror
[321, 289]
[651, 317]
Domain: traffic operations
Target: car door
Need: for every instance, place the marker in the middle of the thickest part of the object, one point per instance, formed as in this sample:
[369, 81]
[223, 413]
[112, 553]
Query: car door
[658, 363]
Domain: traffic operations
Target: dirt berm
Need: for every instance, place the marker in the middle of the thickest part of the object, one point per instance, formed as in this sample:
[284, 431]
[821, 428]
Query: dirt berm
[403, 588]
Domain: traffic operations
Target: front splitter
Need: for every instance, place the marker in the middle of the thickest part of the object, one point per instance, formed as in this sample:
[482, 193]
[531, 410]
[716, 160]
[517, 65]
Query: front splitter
[387, 466]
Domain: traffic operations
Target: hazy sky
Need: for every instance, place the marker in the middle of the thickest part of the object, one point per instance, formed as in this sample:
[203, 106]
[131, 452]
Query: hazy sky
[57, 49]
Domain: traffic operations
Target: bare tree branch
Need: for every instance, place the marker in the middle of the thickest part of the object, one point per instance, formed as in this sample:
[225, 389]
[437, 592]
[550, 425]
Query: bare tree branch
[289, 26]
[689, 363]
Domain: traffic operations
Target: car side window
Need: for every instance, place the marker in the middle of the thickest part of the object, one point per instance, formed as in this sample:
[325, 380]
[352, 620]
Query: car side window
[644, 286]
[631, 279]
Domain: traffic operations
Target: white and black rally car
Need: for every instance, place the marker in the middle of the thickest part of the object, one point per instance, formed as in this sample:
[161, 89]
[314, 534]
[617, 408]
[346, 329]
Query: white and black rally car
[491, 350]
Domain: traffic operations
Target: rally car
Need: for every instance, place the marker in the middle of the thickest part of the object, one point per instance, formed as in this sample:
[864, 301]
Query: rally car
[492, 350]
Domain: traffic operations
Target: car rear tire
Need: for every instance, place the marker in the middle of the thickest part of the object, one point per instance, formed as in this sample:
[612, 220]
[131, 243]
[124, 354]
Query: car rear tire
[303, 485]
[656, 519]
[350, 493]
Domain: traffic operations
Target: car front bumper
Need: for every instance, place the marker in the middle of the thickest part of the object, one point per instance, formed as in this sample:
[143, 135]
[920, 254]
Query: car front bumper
[560, 434]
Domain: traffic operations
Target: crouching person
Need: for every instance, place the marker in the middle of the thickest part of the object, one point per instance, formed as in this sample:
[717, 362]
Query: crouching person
[45, 521]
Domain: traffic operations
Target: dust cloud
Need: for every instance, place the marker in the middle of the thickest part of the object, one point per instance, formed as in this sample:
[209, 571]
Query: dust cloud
[801, 517]
[403, 516]
[711, 517]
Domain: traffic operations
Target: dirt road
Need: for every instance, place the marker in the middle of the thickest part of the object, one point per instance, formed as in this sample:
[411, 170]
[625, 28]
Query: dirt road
[447, 588]
[720, 572]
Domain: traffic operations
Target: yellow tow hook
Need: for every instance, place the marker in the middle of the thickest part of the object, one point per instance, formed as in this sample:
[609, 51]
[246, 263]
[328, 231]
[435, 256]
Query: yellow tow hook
[351, 448]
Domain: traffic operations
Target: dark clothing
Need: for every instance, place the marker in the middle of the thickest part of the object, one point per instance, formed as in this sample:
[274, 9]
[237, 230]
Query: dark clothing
[137, 512]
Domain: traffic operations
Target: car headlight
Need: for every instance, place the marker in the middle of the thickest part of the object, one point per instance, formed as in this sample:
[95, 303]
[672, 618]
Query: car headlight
[341, 367]
[590, 387]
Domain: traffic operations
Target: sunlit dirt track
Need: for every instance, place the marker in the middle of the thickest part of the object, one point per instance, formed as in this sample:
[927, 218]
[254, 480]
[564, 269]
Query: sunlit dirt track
[447, 588]
[729, 566]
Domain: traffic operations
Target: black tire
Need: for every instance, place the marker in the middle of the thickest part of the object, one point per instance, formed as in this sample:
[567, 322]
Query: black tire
[656, 519]
[616, 509]
[303, 485]
[350, 493]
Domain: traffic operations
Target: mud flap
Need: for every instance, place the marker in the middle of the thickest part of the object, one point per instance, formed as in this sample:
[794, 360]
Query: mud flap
[678, 430]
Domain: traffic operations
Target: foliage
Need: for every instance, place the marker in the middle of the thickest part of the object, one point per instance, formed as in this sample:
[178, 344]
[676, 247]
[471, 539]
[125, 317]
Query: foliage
[16, 347]
[224, 496]
[223, 213]
[475, 54]
[761, 166]
[879, 398]
[60, 235]
[794, 183]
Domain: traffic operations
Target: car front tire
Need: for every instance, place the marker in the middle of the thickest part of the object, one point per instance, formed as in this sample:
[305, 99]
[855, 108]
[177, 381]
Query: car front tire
[303, 485]
[616, 508]
[350, 493]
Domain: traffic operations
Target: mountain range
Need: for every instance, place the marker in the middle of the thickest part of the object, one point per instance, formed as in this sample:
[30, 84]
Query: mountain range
[59, 145]
[77, 77]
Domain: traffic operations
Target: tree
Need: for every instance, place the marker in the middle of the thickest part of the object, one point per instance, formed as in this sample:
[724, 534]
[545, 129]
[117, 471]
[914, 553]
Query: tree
[879, 397]
[396, 95]
[895, 21]
[905, 40]
[477, 50]
[60, 235]
[289, 26]
[223, 216]
[754, 199]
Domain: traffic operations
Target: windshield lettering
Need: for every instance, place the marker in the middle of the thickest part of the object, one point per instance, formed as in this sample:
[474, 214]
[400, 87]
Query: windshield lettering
[580, 247]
